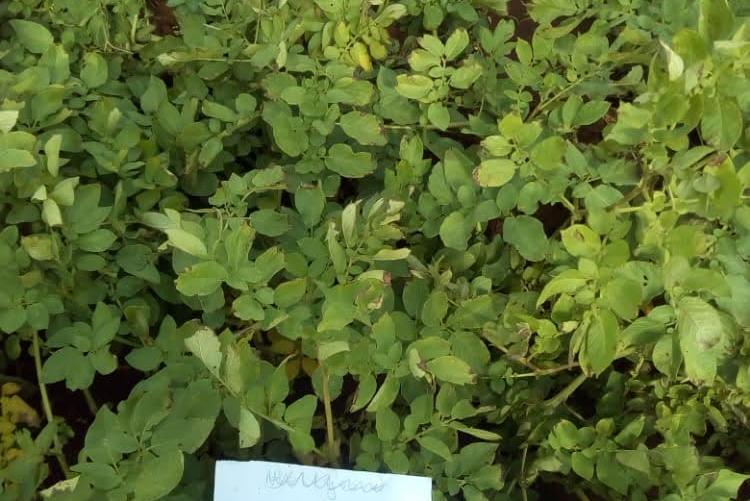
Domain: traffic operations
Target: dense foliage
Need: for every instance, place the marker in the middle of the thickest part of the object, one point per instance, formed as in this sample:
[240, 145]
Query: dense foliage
[503, 246]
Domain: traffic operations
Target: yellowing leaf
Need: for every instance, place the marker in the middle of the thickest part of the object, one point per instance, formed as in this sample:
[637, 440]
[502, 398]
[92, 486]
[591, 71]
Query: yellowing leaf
[495, 172]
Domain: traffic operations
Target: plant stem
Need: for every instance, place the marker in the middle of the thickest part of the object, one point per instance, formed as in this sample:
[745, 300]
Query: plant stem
[547, 372]
[454, 125]
[522, 481]
[46, 404]
[127, 342]
[90, 402]
[330, 437]
[566, 392]
[581, 495]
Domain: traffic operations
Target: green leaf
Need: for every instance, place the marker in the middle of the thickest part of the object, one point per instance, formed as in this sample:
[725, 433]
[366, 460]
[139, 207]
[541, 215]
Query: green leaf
[12, 158]
[300, 413]
[35, 37]
[567, 434]
[524, 52]
[385, 395]
[290, 293]
[289, 132]
[12, 319]
[581, 241]
[201, 279]
[455, 231]
[635, 460]
[342, 160]
[675, 64]
[591, 112]
[548, 154]
[582, 465]
[158, 476]
[602, 197]
[495, 172]
[97, 241]
[725, 486]
[105, 323]
[218, 111]
[52, 152]
[721, 124]
[310, 203]
[439, 115]
[204, 344]
[451, 369]
[435, 446]
[186, 242]
[716, 20]
[364, 127]
[701, 332]
[40, 247]
[144, 359]
[466, 75]
[269, 222]
[387, 424]
[249, 429]
[391, 254]
[331, 348]
[456, 44]
[624, 296]
[154, 96]
[8, 119]
[610, 473]
[433, 45]
[413, 86]
[475, 432]
[51, 213]
[526, 234]
[95, 70]
[474, 312]
[601, 342]
[247, 308]
[435, 308]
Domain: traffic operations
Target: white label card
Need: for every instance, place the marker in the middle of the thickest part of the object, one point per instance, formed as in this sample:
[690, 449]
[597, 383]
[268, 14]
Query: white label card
[264, 481]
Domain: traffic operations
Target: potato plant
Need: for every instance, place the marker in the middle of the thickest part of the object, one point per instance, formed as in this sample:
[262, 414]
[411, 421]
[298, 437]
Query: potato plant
[505, 245]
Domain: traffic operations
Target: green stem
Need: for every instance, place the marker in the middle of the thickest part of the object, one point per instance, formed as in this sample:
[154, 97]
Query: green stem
[46, 406]
[581, 495]
[522, 481]
[546, 372]
[566, 392]
[330, 436]
[90, 402]
[127, 342]
[454, 125]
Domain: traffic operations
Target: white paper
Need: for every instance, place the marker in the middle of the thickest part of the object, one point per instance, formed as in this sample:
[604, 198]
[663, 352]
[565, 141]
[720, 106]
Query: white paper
[264, 481]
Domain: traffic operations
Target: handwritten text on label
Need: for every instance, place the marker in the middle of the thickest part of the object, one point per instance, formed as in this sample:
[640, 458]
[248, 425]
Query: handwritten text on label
[260, 480]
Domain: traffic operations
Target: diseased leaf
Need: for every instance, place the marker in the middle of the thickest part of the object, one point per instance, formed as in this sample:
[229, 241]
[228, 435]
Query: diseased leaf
[204, 344]
[721, 124]
[363, 127]
[201, 279]
[700, 331]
